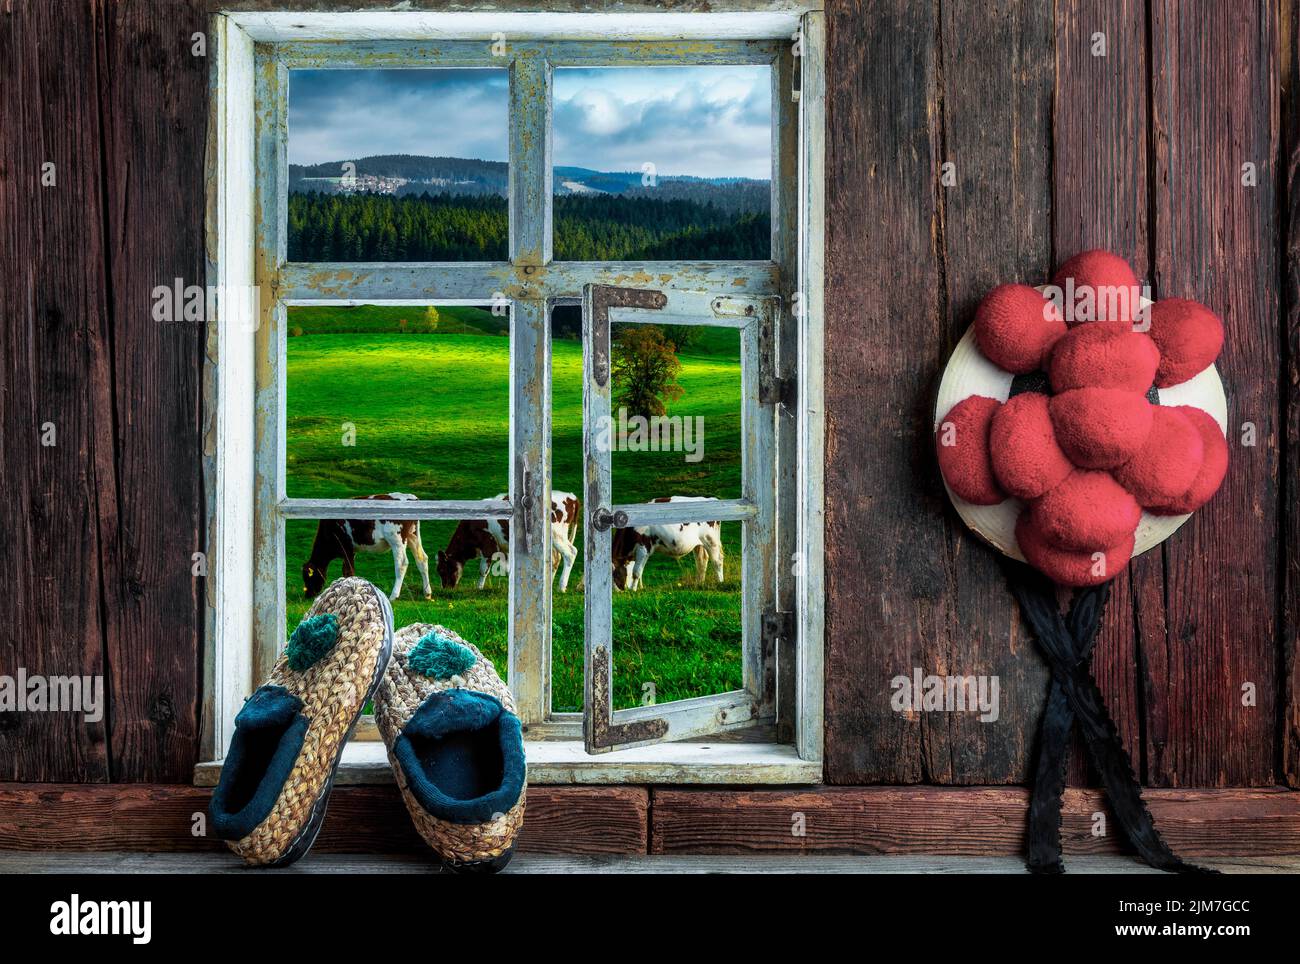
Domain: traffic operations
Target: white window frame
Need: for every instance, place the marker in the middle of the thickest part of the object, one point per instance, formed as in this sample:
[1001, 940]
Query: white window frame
[244, 417]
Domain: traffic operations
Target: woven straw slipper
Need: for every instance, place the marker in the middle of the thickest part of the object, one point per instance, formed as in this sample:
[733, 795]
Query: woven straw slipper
[456, 747]
[275, 784]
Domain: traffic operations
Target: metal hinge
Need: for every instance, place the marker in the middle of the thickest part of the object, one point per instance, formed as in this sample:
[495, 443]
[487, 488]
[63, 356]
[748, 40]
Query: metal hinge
[777, 624]
[779, 390]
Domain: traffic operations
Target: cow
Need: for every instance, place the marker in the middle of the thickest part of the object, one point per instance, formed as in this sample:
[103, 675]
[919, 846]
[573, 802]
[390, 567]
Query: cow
[343, 538]
[489, 540]
[634, 545]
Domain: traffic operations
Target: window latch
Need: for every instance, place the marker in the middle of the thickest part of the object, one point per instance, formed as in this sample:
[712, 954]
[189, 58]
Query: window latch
[602, 519]
[777, 624]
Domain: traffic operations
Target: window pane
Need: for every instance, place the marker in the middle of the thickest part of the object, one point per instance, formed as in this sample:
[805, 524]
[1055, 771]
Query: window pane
[676, 412]
[674, 632]
[398, 165]
[481, 616]
[566, 476]
[662, 163]
[397, 398]
[678, 633]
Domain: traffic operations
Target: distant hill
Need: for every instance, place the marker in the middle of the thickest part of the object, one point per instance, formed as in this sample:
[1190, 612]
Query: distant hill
[414, 174]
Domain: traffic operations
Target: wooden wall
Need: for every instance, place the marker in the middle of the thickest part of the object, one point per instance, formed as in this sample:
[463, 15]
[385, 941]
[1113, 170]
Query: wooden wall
[98, 530]
[1054, 149]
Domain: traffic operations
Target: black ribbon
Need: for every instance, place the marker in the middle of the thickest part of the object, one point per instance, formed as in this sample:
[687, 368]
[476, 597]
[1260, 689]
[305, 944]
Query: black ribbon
[1067, 644]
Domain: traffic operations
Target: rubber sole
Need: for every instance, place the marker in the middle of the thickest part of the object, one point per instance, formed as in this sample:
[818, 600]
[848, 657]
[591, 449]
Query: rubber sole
[303, 842]
[493, 865]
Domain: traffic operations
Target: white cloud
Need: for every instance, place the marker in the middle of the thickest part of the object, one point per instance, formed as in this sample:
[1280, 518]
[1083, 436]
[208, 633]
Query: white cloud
[710, 121]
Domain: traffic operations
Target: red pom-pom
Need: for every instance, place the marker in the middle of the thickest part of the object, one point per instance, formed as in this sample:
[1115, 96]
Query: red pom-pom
[1214, 464]
[1108, 354]
[1100, 428]
[1098, 286]
[962, 443]
[1068, 568]
[1168, 462]
[1022, 444]
[1088, 511]
[1189, 336]
[1015, 326]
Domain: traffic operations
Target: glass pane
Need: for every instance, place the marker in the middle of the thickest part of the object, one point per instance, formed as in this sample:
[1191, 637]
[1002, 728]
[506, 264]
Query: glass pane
[680, 635]
[397, 398]
[675, 402]
[566, 476]
[662, 163]
[314, 558]
[398, 165]
[677, 628]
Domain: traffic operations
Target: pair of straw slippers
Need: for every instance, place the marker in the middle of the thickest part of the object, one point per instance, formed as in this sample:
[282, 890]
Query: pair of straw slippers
[446, 718]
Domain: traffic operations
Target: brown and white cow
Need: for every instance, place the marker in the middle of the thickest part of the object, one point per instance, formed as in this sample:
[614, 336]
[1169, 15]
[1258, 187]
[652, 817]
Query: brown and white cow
[489, 541]
[343, 538]
[633, 546]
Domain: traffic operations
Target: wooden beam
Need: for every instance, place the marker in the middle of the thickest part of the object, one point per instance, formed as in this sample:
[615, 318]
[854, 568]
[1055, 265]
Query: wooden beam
[56, 387]
[994, 116]
[1215, 127]
[912, 246]
[1289, 32]
[148, 475]
[973, 821]
[976, 821]
[52, 817]
[1099, 140]
[886, 587]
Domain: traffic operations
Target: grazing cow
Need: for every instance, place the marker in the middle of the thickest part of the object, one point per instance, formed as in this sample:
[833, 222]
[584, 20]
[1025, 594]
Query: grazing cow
[343, 538]
[489, 539]
[633, 546]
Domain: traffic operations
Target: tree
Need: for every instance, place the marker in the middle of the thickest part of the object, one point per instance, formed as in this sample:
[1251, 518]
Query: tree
[645, 368]
[683, 336]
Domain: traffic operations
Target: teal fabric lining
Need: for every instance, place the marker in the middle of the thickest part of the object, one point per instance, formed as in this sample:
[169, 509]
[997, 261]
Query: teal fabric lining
[269, 732]
[462, 754]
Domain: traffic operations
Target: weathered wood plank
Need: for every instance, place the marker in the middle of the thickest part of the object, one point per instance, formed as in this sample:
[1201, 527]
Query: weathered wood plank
[996, 102]
[527, 863]
[1099, 136]
[1215, 110]
[55, 366]
[571, 820]
[614, 820]
[153, 100]
[887, 584]
[975, 91]
[970, 821]
[1289, 41]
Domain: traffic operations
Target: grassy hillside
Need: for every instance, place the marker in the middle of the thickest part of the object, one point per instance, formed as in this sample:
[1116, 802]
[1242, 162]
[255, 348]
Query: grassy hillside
[430, 414]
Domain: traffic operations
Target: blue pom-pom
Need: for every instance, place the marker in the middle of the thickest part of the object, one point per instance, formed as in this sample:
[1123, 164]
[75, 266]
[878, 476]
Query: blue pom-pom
[312, 639]
[440, 657]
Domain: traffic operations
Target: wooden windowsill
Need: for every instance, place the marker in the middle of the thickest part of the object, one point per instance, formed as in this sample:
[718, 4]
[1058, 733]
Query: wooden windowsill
[566, 762]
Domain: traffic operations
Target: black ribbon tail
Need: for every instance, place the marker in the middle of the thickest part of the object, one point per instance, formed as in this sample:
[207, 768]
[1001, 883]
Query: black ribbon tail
[1067, 656]
[1044, 824]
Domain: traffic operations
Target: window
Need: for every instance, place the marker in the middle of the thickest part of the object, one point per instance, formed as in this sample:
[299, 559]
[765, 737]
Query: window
[503, 268]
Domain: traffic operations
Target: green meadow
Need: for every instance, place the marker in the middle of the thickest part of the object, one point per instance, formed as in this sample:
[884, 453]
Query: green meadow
[389, 398]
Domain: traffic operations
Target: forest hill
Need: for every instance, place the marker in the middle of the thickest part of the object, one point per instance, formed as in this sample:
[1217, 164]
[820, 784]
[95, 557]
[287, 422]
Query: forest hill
[447, 227]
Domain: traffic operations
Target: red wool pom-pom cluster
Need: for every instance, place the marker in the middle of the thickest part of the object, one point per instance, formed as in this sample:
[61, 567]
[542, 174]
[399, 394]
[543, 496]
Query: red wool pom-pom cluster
[1087, 460]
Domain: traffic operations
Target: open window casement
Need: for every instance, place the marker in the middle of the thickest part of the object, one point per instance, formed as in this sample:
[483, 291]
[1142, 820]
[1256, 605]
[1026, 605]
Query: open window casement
[755, 318]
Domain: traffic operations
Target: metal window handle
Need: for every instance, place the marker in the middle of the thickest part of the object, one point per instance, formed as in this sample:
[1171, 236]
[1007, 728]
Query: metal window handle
[602, 519]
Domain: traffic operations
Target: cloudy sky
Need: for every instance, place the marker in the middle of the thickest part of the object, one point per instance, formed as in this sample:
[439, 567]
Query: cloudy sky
[706, 121]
